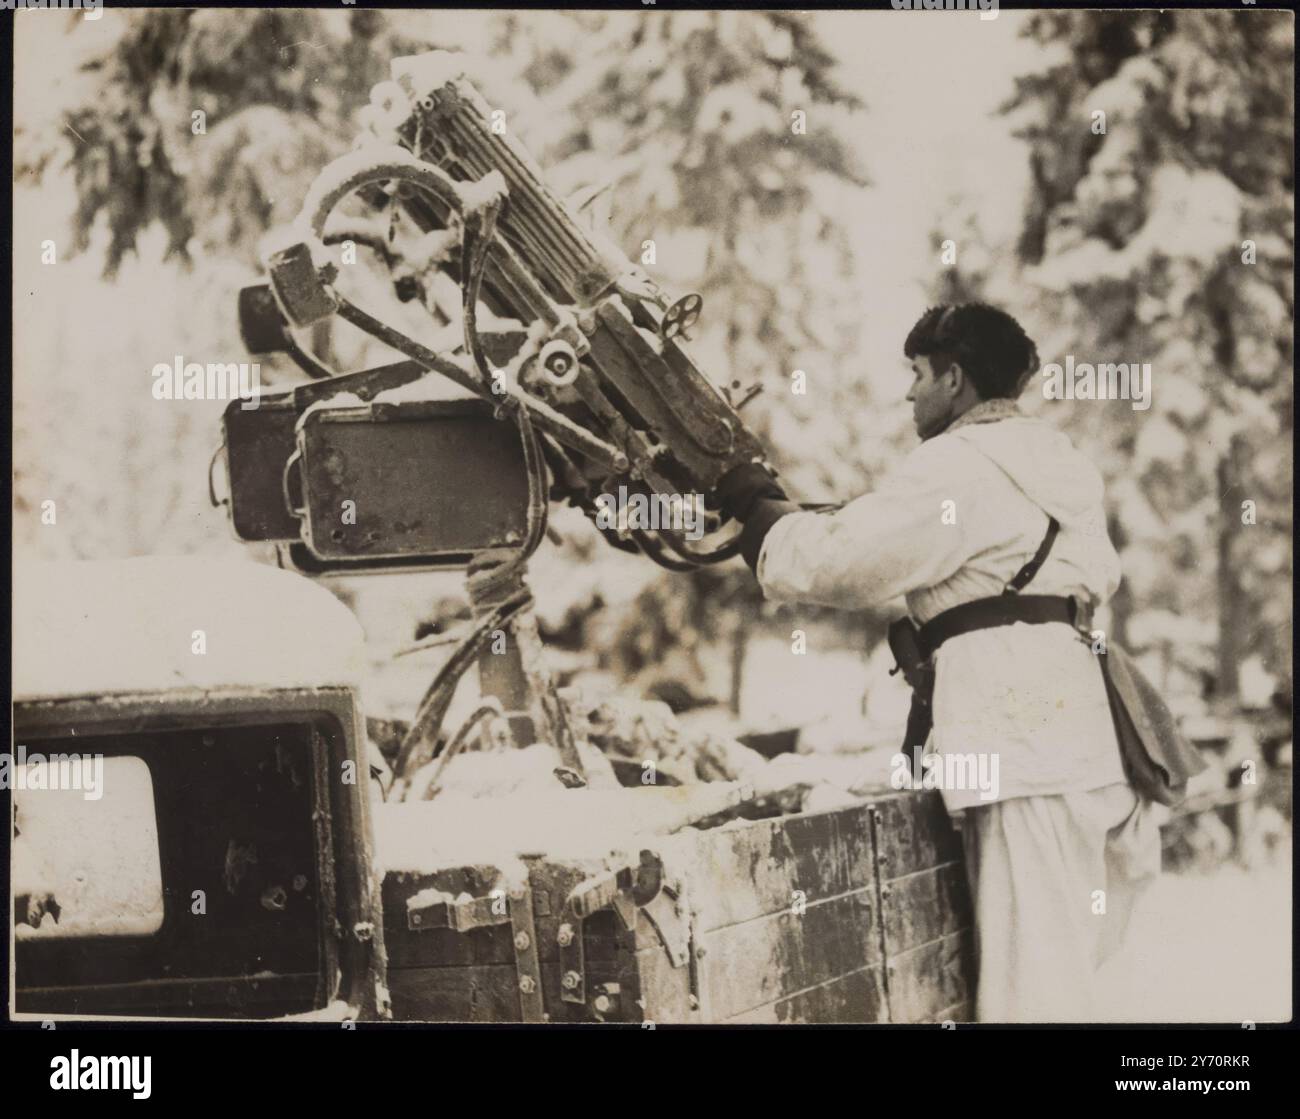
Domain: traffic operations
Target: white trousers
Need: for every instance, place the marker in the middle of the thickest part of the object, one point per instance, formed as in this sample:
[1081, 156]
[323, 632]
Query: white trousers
[1054, 880]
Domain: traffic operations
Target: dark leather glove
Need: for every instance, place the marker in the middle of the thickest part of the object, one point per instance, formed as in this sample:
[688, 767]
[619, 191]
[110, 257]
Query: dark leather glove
[750, 494]
[741, 488]
[765, 514]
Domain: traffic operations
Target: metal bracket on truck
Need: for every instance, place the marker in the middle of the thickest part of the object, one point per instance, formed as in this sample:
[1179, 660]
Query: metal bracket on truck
[625, 890]
[466, 913]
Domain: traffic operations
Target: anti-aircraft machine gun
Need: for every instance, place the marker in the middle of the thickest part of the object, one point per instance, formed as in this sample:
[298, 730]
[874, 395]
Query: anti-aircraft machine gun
[579, 370]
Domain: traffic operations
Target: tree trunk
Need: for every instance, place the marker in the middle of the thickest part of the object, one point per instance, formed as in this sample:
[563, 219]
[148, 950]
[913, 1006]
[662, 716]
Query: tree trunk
[1231, 602]
[739, 645]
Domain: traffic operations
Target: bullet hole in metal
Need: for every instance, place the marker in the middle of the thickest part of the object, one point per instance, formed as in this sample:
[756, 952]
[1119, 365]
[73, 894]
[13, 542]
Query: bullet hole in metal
[274, 899]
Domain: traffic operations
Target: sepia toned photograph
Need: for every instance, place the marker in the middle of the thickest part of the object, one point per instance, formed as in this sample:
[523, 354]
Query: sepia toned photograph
[654, 517]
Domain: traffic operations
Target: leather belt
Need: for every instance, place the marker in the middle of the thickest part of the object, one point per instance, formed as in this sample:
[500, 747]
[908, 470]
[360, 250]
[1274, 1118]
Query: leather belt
[988, 613]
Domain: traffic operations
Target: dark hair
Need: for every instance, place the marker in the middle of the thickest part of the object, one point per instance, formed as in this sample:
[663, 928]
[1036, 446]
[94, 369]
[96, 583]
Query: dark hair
[990, 346]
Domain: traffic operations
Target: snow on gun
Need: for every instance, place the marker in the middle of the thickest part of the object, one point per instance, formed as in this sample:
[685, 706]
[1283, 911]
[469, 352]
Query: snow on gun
[603, 372]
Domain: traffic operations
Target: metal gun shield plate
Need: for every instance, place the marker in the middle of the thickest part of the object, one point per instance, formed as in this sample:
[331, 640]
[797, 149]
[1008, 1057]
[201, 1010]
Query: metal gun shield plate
[258, 443]
[436, 480]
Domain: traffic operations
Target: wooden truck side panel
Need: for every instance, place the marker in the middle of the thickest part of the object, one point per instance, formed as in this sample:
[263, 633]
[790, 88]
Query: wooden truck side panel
[858, 914]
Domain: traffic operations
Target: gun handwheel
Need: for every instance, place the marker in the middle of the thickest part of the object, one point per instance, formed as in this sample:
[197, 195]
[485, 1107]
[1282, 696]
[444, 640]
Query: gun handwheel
[681, 315]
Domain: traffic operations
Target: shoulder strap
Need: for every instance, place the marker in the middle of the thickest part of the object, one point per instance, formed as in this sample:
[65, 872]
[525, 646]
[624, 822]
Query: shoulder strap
[1026, 573]
[1004, 609]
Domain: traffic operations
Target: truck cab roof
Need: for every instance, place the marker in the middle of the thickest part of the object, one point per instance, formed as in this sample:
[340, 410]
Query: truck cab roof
[159, 623]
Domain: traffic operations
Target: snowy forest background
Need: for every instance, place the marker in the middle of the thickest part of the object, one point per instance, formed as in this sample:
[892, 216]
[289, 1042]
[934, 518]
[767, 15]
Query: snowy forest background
[813, 252]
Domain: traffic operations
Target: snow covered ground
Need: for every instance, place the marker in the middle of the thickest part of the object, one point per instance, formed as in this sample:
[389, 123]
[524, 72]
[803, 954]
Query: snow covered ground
[1209, 947]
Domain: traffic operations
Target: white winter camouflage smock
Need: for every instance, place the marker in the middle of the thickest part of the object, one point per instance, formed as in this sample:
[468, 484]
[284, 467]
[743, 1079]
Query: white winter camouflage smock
[1032, 694]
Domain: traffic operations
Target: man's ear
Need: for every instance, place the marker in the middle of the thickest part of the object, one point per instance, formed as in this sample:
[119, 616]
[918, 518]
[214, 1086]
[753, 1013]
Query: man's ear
[956, 378]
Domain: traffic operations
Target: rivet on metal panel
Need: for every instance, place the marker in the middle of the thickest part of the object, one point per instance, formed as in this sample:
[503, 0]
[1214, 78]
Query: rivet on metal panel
[571, 980]
[564, 935]
[526, 984]
[522, 942]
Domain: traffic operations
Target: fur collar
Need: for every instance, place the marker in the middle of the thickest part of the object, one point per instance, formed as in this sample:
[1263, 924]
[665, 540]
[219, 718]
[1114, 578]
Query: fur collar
[987, 412]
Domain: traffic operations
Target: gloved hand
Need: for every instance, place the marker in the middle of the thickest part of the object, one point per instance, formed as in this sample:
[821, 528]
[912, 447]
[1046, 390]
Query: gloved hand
[751, 495]
[739, 491]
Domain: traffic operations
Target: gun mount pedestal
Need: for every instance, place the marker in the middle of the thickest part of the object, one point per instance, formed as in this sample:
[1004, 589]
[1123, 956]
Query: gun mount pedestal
[515, 683]
[513, 668]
